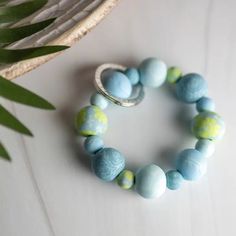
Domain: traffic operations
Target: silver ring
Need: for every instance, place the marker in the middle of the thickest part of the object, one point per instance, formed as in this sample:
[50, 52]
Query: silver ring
[121, 102]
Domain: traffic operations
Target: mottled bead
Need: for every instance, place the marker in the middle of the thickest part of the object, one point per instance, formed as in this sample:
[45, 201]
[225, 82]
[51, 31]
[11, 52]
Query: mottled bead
[191, 88]
[152, 72]
[117, 84]
[99, 100]
[191, 164]
[174, 179]
[150, 181]
[205, 104]
[91, 120]
[108, 163]
[173, 75]
[206, 147]
[133, 75]
[125, 179]
[92, 144]
[208, 125]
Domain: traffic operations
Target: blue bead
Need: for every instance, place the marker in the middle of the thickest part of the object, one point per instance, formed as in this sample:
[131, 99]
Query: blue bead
[117, 84]
[99, 100]
[108, 163]
[206, 147]
[191, 164]
[150, 181]
[174, 179]
[93, 144]
[191, 87]
[205, 104]
[152, 72]
[133, 75]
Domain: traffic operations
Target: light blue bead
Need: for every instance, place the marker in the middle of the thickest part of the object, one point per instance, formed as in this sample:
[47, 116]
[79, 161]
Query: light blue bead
[152, 72]
[191, 87]
[206, 147]
[174, 179]
[150, 181]
[98, 100]
[191, 164]
[205, 104]
[133, 75]
[93, 144]
[108, 163]
[117, 84]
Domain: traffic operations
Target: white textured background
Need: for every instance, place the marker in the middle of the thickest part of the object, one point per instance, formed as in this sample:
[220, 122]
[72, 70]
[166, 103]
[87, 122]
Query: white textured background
[49, 190]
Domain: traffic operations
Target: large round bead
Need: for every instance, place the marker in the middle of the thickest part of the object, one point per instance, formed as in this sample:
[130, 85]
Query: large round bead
[150, 181]
[191, 88]
[208, 125]
[152, 72]
[91, 120]
[191, 164]
[108, 163]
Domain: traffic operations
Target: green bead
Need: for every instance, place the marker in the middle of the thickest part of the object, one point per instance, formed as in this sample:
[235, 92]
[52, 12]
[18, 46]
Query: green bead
[125, 179]
[173, 75]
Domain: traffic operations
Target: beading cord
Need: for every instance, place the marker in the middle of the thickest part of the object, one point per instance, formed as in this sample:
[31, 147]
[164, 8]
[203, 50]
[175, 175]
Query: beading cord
[124, 86]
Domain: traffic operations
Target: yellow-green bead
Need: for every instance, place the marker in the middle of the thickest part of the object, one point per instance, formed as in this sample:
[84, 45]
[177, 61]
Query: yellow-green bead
[125, 179]
[173, 75]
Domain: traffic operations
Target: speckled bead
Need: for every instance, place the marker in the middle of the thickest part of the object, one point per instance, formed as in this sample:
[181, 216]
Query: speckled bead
[125, 179]
[108, 163]
[117, 84]
[91, 120]
[173, 75]
[133, 75]
[208, 125]
[174, 179]
[93, 144]
[191, 87]
[191, 164]
[98, 100]
[205, 104]
[152, 72]
[206, 147]
[150, 181]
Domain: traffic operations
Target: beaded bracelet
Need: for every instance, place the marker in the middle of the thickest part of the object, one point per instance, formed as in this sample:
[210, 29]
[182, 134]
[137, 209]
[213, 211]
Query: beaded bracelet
[124, 86]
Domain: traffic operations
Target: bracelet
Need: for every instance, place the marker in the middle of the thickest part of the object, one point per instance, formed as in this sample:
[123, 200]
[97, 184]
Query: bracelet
[125, 87]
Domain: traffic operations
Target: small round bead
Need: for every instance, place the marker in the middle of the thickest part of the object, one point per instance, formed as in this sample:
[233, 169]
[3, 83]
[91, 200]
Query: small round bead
[205, 104]
[208, 125]
[117, 84]
[191, 87]
[91, 120]
[133, 75]
[152, 72]
[150, 181]
[173, 179]
[93, 144]
[206, 147]
[191, 164]
[173, 75]
[125, 179]
[99, 100]
[108, 163]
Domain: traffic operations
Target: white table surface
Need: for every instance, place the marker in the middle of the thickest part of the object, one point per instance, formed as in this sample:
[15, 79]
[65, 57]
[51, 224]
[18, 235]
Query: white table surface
[49, 190]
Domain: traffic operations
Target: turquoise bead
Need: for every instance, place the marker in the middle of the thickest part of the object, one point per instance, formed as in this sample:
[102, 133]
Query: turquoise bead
[191, 164]
[117, 84]
[99, 100]
[206, 147]
[152, 72]
[133, 75]
[108, 163]
[205, 104]
[150, 181]
[173, 75]
[174, 179]
[93, 144]
[191, 87]
[125, 179]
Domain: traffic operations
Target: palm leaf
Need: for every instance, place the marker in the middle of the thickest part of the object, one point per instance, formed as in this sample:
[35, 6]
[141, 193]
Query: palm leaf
[3, 153]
